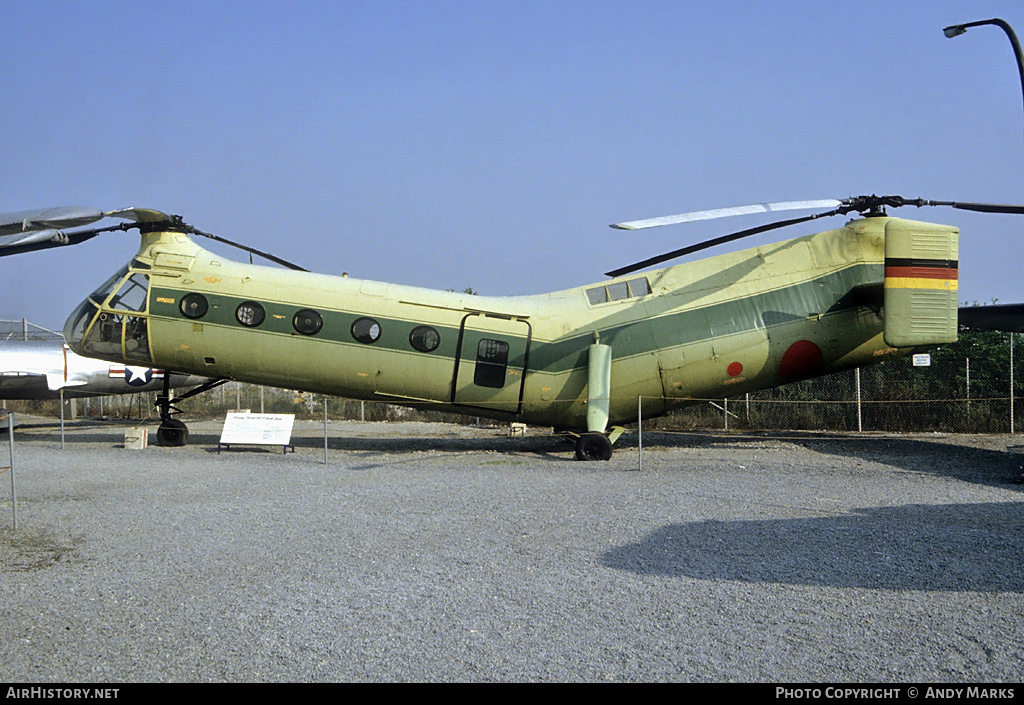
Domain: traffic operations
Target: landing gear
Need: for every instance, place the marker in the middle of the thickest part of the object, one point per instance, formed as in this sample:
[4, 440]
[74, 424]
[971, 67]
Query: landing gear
[593, 446]
[171, 432]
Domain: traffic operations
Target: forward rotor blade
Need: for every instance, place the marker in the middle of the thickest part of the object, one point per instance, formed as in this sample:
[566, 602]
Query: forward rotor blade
[246, 248]
[55, 239]
[47, 219]
[717, 241]
[726, 213]
[28, 231]
[140, 215]
[32, 237]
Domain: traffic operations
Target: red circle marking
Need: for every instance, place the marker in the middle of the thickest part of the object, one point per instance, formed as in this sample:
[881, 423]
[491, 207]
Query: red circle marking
[734, 369]
[802, 359]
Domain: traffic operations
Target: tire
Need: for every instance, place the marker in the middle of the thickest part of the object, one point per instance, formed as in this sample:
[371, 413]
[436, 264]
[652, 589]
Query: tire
[172, 433]
[593, 446]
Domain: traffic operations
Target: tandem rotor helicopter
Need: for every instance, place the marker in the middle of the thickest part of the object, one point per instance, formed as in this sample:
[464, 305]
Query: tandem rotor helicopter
[877, 288]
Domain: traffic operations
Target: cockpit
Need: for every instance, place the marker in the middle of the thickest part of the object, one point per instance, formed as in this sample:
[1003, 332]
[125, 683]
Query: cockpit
[111, 324]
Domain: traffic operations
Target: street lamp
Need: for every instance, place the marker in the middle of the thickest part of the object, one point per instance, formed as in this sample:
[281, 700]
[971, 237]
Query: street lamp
[957, 29]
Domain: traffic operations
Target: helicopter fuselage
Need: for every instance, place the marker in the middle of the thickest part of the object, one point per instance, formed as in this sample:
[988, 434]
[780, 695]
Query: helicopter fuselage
[709, 329]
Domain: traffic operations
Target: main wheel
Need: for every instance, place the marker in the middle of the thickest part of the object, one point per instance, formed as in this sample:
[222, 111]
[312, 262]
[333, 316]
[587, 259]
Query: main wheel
[593, 446]
[172, 433]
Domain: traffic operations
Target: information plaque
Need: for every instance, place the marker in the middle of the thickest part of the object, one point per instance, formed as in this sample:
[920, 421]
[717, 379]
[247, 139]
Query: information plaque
[257, 429]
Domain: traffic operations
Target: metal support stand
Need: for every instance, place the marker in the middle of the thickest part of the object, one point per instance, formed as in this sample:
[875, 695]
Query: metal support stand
[62, 419]
[9, 416]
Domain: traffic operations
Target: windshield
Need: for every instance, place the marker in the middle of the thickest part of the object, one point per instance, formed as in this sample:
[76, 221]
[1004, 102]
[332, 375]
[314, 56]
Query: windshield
[101, 294]
[104, 325]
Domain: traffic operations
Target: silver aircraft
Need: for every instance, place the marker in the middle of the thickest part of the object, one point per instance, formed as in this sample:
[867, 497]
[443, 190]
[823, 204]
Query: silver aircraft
[42, 369]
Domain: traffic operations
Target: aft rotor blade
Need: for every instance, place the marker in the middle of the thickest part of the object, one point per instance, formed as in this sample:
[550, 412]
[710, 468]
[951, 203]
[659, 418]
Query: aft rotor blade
[717, 241]
[48, 219]
[1008, 209]
[726, 213]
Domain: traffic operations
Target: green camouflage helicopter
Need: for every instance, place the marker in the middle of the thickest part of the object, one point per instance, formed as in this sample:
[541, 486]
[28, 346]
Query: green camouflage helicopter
[577, 360]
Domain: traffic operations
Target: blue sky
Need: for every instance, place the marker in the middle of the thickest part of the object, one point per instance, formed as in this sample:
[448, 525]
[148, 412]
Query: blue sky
[489, 144]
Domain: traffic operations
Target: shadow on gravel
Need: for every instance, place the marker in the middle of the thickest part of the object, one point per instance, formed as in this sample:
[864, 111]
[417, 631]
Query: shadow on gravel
[556, 447]
[956, 547]
[112, 434]
[109, 432]
[997, 468]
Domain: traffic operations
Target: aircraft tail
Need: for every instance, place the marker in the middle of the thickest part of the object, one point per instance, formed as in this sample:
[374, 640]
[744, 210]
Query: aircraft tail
[921, 268]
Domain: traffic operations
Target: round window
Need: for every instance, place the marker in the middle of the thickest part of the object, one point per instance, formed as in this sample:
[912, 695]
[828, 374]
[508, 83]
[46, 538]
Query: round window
[366, 330]
[308, 322]
[194, 305]
[424, 338]
[250, 313]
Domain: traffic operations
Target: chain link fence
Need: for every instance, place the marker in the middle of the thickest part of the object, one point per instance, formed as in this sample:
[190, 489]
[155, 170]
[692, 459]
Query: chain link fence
[971, 386]
[23, 329]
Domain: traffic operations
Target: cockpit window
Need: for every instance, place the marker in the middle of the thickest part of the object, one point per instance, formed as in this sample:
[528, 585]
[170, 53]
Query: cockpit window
[109, 328]
[101, 294]
[78, 321]
[132, 294]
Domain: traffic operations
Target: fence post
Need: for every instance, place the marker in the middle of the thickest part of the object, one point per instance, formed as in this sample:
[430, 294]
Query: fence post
[860, 426]
[1011, 383]
[968, 363]
[14, 488]
[639, 432]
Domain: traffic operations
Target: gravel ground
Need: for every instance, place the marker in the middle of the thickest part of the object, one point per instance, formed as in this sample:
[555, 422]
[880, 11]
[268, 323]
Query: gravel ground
[431, 552]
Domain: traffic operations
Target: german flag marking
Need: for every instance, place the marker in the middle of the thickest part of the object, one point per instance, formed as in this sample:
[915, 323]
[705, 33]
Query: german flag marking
[908, 273]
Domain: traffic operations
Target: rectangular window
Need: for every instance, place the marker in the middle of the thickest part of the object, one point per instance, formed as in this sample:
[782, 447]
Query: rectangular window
[597, 295]
[639, 287]
[491, 362]
[619, 290]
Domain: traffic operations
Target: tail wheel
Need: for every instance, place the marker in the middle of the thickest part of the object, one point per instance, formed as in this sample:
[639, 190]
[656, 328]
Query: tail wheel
[172, 433]
[593, 446]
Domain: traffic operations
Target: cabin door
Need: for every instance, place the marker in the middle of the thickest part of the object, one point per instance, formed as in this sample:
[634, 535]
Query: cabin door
[490, 362]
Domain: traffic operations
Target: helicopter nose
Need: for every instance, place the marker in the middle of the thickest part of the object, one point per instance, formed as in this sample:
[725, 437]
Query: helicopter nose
[77, 324]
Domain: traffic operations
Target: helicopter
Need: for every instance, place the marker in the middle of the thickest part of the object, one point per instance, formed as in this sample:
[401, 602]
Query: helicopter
[577, 360]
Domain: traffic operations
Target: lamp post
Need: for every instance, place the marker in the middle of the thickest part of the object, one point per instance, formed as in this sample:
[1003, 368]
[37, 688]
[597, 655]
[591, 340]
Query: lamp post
[957, 29]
